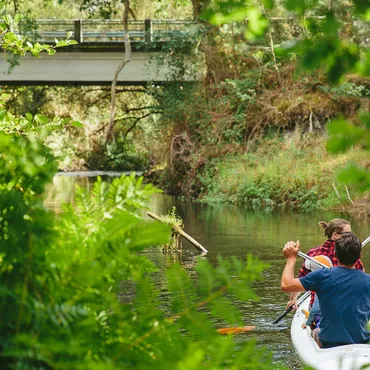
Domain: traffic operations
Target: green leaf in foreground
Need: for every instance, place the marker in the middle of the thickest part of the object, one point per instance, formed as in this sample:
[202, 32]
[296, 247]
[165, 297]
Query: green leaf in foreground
[356, 176]
[343, 135]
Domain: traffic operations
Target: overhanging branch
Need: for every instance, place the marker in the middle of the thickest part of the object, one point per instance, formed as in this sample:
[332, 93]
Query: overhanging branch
[135, 123]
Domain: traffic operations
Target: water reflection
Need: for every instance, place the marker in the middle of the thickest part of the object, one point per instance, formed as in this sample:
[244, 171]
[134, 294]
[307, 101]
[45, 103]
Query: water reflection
[229, 230]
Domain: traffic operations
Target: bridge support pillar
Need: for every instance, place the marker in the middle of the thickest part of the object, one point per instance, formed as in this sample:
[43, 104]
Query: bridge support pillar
[78, 31]
[148, 30]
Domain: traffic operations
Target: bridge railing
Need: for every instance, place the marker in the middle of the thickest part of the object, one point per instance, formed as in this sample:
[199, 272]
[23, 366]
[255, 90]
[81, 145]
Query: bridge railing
[92, 30]
[154, 30]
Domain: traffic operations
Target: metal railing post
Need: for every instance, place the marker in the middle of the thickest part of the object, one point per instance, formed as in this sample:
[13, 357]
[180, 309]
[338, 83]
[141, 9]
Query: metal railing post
[148, 30]
[78, 31]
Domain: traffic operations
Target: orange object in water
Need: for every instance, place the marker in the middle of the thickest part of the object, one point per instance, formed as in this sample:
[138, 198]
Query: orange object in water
[235, 330]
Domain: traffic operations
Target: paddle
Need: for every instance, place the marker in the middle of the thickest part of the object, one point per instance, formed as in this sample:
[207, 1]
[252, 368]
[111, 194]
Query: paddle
[290, 308]
[243, 329]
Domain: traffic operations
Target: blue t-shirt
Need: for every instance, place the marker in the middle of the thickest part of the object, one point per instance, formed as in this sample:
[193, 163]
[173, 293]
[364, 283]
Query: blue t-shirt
[344, 296]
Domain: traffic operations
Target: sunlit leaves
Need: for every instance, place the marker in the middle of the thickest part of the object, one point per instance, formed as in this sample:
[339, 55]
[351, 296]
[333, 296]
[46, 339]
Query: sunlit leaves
[257, 24]
[30, 124]
[222, 12]
[20, 45]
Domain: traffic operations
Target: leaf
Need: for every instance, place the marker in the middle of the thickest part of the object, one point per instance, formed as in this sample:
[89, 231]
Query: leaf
[42, 119]
[343, 135]
[8, 19]
[223, 308]
[357, 176]
[257, 23]
[364, 117]
[269, 4]
[61, 43]
[76, 124]
[18, 18]
[361, 6]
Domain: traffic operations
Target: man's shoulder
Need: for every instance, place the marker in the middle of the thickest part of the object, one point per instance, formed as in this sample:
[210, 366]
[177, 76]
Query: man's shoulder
[339, 270]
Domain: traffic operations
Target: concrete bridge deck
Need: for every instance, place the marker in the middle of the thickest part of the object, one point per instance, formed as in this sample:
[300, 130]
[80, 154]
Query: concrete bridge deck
[100, 49]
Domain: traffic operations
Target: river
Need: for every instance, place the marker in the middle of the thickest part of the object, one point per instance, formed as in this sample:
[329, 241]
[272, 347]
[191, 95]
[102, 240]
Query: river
[230, 230]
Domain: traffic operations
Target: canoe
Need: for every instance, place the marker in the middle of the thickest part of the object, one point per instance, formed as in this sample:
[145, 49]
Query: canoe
[349, 357]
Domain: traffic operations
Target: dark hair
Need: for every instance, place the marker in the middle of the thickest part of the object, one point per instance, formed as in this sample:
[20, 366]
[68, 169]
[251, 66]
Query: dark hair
[348, 249]
[334, 226]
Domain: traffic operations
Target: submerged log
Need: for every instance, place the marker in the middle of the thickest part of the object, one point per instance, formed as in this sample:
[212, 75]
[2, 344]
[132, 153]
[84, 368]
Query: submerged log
[182, 233]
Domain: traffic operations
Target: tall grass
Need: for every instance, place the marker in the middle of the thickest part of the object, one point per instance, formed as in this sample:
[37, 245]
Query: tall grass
[292, 170]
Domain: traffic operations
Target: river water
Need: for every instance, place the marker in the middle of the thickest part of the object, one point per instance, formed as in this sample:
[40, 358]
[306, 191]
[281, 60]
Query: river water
[230, 230]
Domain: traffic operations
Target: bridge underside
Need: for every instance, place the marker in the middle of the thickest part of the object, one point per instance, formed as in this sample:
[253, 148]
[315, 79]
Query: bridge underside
[81, 68]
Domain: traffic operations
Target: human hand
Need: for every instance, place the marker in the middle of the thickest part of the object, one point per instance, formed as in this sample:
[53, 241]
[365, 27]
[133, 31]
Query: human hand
[292, 302]
[304, 325]
[291, 249]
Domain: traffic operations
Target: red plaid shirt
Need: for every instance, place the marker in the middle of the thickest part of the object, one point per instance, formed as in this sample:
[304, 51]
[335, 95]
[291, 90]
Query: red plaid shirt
[326, 249]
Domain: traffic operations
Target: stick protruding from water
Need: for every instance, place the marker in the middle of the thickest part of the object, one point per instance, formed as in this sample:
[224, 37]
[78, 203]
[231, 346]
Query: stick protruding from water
[182, 233]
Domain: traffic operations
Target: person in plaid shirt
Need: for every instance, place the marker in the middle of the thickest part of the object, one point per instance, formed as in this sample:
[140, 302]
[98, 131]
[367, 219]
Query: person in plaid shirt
[333, 231]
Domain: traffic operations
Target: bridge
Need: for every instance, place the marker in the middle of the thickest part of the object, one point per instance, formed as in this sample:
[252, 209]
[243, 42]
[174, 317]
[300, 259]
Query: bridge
[99, 51]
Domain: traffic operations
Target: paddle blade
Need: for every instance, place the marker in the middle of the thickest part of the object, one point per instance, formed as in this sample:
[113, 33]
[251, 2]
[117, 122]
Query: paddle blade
[305, 312]
[235, 330]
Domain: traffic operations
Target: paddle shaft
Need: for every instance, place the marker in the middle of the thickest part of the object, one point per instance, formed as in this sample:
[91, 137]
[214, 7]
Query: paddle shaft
[305, 295]
[307, 257]
[290, 308]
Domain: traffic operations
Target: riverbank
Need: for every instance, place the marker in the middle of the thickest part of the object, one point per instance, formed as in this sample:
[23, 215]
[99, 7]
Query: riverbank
[292, 170]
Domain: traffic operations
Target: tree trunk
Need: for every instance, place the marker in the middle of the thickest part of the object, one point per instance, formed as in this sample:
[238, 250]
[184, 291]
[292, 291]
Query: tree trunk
[126, 12]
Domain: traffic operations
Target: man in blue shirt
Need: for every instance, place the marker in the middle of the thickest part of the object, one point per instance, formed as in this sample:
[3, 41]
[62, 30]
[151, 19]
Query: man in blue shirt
[343, 291]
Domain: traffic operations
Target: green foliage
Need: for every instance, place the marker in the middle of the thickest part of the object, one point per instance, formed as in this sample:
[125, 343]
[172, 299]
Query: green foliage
[175, 222]
[226, 11]
[172, 219]
[344, 136]
[37, 123]
[60, 274]
[325, 43]
[117, 156]
[19, 45]
[346, 89]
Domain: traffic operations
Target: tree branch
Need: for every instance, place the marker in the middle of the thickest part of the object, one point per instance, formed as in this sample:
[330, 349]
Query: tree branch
[135, 123]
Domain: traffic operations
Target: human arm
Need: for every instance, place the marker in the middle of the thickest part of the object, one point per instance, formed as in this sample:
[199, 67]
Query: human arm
[302, 272]
[288, 282]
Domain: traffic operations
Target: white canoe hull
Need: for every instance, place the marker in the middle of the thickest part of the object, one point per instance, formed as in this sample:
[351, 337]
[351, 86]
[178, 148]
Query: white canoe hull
[350, 357]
